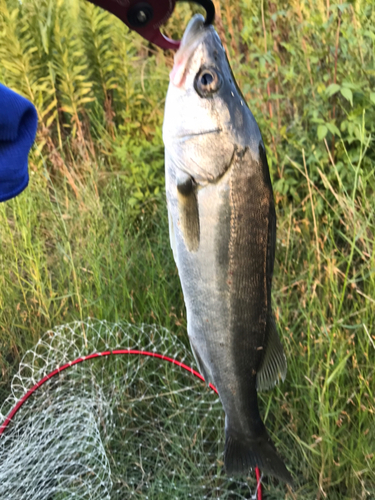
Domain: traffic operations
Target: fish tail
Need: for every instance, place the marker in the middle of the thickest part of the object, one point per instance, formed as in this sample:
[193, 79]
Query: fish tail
[243, 453]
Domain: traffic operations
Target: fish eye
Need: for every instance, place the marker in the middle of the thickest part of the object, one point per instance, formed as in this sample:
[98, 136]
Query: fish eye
[207, 82]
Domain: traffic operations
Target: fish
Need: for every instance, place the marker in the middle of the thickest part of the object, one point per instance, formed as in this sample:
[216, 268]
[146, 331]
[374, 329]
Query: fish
[222, 228]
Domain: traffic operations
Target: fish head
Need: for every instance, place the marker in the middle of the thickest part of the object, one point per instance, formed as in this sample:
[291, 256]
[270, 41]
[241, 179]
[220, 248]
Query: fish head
[206, 118]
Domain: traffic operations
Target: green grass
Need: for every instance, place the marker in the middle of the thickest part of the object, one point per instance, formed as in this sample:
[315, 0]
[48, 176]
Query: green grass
[89, 237]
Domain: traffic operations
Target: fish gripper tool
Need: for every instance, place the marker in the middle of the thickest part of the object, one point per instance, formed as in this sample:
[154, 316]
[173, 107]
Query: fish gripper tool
[146, 17]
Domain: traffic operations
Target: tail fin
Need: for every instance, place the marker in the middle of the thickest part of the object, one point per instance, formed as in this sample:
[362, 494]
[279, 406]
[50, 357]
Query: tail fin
[242, 453]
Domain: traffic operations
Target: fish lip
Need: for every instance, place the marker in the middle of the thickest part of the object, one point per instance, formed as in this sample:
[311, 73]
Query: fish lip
[195, 31]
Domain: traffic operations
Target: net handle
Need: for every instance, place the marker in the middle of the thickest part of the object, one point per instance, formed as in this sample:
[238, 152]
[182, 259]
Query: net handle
[50, 375]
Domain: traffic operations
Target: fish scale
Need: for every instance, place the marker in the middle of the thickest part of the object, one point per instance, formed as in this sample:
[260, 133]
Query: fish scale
[223, 235]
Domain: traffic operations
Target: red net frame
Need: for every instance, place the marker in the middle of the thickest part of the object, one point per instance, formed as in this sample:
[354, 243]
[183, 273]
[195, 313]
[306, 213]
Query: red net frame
[81, 359]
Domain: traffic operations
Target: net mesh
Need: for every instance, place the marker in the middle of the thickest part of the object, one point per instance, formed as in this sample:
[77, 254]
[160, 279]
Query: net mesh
[113, 427]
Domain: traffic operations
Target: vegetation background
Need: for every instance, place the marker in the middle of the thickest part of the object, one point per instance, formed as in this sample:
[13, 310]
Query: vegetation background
[89, 235]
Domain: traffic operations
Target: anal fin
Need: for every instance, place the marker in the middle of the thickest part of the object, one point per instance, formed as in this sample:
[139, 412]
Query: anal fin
[274, 364]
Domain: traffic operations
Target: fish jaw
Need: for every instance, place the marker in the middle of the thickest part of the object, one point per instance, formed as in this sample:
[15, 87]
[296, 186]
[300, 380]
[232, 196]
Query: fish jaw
[193, 37]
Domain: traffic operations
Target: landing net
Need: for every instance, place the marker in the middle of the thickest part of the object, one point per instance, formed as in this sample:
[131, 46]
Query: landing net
[122, 424]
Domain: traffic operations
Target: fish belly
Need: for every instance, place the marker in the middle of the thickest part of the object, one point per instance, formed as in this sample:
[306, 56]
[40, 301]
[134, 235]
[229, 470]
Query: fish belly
[225, 300]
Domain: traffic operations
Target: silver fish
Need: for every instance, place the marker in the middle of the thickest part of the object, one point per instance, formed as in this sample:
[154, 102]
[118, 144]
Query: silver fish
[222, 225]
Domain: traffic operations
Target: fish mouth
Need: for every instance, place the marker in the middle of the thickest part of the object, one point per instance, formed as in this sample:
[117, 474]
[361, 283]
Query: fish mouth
[194, 31]
[194, 35]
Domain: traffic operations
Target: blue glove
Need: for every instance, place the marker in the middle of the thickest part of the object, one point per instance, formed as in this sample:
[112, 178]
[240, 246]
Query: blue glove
[18, 124]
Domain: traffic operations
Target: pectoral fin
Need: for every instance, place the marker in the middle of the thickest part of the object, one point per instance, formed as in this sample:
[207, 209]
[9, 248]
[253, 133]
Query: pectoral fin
[274, 361]
[188, 213]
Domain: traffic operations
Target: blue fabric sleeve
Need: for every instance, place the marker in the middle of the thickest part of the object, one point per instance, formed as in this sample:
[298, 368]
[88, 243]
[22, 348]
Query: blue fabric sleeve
[18, 124]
